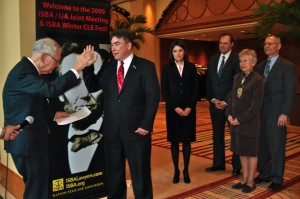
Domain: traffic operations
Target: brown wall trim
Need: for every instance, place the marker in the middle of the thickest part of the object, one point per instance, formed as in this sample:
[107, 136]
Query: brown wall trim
[15, 183]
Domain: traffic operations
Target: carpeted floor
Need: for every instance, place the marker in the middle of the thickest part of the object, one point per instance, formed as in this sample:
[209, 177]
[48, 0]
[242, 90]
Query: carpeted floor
[218, 184]
[222, 188]
[206, 185]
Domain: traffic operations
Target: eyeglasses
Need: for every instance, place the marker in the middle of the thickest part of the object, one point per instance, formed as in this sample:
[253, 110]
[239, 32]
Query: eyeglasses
[57, 61]
[269, 44]
[117, 44]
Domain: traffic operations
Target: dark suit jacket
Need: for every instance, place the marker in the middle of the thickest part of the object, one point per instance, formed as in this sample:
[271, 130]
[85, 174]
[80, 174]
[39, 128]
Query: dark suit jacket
[180, 92]
[246, 108]
[137, 103]
[220, 88]
[25, 94]
[280, 89]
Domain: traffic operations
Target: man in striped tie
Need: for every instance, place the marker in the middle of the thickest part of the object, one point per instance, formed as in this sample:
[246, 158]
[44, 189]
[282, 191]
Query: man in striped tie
[280, 89]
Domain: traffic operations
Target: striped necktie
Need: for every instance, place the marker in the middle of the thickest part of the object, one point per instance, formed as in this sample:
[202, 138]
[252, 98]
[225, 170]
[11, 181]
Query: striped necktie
[267, 69]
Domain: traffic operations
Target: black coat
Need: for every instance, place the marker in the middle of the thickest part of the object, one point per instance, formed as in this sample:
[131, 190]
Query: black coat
[180, 92]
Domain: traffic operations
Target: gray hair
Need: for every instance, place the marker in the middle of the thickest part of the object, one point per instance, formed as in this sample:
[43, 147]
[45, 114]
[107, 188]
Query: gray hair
[46, 45]
[251, 53]
[277, 39]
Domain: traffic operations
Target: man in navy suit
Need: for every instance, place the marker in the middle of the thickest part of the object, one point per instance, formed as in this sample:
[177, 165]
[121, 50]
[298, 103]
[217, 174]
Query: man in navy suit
[25, 94]
[280, 89]
[129, 112]
[221, 70]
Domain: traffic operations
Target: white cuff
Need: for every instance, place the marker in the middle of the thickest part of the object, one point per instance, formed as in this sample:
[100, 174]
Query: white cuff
[75, 72]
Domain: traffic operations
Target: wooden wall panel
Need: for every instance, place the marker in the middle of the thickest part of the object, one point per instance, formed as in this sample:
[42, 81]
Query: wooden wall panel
[15, 183]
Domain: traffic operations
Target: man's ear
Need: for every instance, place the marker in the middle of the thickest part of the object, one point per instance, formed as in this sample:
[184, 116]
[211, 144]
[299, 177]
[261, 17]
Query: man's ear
[279, 46]
[43, 56]
[130, 45]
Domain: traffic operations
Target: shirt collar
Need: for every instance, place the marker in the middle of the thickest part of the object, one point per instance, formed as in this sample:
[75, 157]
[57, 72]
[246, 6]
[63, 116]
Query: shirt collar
[33, 64]
[126, 61]
[226, 55]
[273, 60]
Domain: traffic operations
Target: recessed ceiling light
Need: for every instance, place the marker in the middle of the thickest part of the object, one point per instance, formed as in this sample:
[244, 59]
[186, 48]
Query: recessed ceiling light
[242, 31]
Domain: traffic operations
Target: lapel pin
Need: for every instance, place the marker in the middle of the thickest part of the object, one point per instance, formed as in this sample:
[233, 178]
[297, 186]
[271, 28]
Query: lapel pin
[134, 66]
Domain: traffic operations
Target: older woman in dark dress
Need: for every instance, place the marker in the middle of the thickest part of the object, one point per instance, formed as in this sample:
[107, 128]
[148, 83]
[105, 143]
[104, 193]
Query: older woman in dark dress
[243, 114]
[180, 87]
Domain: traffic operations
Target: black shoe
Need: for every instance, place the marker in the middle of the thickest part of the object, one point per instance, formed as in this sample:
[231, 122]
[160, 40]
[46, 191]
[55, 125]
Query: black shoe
[176, 177]
[238, 185]
[212, 169]
[259, 180]
[186, 177]
[248, 189]
[236, 172]
[274, 187]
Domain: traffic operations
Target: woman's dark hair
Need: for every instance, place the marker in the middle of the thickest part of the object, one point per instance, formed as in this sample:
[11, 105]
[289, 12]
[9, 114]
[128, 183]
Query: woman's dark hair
[181, 44]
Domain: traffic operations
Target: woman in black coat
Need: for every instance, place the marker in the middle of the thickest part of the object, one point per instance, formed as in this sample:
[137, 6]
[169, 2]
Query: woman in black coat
[180, 88]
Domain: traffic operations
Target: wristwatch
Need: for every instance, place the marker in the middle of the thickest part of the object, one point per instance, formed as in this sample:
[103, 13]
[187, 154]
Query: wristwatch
[2, 132]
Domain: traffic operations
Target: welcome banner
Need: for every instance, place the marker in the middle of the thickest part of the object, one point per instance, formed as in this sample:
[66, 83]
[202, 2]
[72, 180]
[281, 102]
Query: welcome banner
[76, 154]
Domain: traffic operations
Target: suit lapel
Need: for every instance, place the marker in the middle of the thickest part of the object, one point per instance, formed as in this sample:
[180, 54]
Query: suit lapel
[226, 67]
[175, 69]
[215, 65]
[131, 70]
[114, 69]
[275, 69]
[262, 69]
[215, 69]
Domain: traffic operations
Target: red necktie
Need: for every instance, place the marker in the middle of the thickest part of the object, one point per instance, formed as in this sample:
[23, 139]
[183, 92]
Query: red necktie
[120, 76]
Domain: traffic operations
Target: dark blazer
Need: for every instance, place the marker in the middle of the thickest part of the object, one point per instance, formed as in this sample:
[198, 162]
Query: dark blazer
[280, 88]
[25, 94]
[180, 92]
[246, 108]
[134, 107]
[220, 88]
[137, 103]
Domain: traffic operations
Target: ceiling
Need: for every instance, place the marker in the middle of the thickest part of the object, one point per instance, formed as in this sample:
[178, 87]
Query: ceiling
[239, 31]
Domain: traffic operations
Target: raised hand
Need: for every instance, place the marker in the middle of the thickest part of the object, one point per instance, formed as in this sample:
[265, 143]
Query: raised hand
[85, 59]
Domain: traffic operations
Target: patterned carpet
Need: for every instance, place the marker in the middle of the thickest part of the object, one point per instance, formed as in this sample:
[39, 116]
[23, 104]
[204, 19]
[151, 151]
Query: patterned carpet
[222, 188]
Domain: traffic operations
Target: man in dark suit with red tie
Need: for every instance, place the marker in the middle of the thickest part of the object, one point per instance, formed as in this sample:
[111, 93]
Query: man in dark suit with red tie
[280, 89]
[130, 105]
[221, 70]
